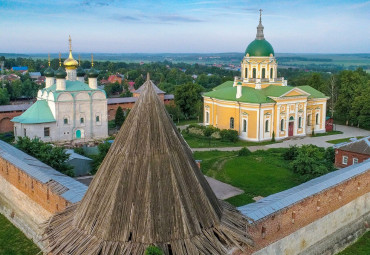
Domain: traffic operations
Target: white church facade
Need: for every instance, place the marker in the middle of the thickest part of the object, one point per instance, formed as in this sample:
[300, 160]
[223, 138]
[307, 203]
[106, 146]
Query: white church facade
[67, 109]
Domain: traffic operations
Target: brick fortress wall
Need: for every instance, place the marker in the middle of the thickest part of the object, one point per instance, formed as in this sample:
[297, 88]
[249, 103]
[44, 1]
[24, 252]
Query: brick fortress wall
[287, 221]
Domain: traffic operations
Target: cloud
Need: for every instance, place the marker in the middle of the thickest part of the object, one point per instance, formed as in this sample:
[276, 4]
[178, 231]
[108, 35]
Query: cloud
[178, 18]
[126, 18]
[91, 3]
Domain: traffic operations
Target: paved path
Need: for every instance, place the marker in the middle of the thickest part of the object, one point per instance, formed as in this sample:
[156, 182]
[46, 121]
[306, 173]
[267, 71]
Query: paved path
[222, 190]
[319, 141]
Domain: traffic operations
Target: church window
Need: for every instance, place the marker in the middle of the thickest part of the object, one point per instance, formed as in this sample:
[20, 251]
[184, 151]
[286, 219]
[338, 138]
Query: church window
[46, 131]
[254, 73]
[97, 118]
[300, 122]
[267, 128]
[282, 125]
[309, 120]
[82, 120]
[317, 119]
[65, 120]
[246, 72]
[271, 73]
[231, 123]
[244, 125]
[263, 73]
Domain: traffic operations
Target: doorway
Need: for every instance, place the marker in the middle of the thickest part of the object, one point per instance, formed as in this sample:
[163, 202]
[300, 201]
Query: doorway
[78, 134]
[291, 126]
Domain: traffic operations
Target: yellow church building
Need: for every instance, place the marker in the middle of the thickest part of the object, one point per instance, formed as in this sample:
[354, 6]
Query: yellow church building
[258, 103]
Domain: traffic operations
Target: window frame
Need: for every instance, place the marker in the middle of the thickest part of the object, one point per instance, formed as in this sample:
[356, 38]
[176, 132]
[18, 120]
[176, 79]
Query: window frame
[317, 117]
[345, 160]
[65, 121]
[299, 122]
[244, 125]
[263, 74]
[232, 123]
[282, 125]
[271, 73]
[267, 126]
[47, 129]
[353, 161]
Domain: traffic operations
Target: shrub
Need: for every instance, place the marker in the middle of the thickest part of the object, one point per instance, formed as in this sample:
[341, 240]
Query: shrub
[291, 153]
[310, 162]
[229, 135]
[119, 118]
[153, 250]
[244, 152]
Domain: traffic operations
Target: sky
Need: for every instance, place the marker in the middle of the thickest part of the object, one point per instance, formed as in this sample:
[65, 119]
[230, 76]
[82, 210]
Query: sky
[179, 26]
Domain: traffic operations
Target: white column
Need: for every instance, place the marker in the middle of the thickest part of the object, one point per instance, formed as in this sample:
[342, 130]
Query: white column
[323, 115]
[295, 129]
[304, 117]
[278, 122]
[93, 83]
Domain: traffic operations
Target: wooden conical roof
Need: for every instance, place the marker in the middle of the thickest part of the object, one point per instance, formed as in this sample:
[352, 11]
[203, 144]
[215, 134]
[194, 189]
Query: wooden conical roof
[148, 191]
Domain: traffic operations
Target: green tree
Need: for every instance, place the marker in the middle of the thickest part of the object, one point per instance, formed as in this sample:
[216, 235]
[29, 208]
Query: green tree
[119, 118]
[4, 96]
[360, 109]
[126, 92]
[187, 97]
[53, 156]
[98, 159]
[310, 162]
[139, 81]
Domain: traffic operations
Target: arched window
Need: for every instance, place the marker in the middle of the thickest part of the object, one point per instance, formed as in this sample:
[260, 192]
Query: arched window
[309, 120]
[271, 73]
[207, 117]
[267, 126]
[317, 119]
[291, 118]
[231, 123]
[246, 72]
[263, 73]
[254, 73]
[244, 125]
[300, 122]
[282, 125]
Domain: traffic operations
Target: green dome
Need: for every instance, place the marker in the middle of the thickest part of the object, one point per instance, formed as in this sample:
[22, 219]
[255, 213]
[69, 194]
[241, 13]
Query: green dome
[49, 72]
[259, 48]
[60, 73]
[92, 73]
[80, 72]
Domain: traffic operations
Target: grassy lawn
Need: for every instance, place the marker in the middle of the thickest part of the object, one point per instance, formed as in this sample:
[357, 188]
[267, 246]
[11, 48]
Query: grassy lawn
[13, 241]
[361, 247]
[186, 122]
[260, 174]
[343, 140]
[200, 142]
[334, 132]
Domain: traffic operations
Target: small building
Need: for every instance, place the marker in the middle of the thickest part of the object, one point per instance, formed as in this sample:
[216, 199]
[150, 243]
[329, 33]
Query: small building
[329, 124]
[351, 153]
[80, 163]
[115, 78]
[21, 69]
[35, 75]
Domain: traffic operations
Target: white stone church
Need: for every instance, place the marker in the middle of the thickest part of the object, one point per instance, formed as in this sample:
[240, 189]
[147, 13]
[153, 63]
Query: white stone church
[67, 109]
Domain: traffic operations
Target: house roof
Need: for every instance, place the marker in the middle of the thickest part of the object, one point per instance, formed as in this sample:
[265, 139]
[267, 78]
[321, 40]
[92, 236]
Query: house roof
[148, 191]
[39, 112]
[227, 91]
[276, 202]
[361, 146]
[20, 68]
[14, 107]
[73, 190]
[74, 155]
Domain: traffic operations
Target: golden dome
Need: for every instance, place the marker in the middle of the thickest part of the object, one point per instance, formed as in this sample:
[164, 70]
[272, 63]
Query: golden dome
[70, 62]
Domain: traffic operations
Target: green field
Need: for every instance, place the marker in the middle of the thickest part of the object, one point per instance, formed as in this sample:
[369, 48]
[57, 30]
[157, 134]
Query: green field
[13, 241]
[343, 140]
[361, 247]
[204, 142]
[262, 173]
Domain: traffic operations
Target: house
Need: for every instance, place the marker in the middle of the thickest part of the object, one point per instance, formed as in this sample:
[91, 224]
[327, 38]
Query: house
[35, 75]
[81, 164]
[21, 69]
[351, 153]
[115, 78]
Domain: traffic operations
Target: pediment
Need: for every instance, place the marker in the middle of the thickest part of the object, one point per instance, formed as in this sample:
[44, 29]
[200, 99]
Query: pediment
[295, 92]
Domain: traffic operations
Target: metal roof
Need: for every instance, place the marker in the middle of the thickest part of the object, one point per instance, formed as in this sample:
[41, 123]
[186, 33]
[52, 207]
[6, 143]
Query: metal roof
[74, 155]
[42, 172]
[14, 107]
[286, 198]
[120, 100]
[361, 146]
